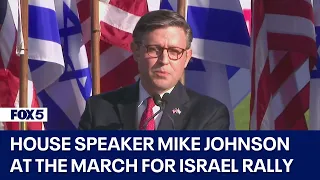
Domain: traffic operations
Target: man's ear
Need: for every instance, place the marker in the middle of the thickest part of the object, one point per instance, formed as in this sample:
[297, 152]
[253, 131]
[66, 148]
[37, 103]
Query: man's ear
[189, 56]
[134, 48]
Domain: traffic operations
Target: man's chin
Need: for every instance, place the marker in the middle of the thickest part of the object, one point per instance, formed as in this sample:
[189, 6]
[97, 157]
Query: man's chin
[162, 84]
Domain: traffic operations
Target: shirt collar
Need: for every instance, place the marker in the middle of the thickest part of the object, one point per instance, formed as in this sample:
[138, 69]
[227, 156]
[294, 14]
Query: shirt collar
[143, 94]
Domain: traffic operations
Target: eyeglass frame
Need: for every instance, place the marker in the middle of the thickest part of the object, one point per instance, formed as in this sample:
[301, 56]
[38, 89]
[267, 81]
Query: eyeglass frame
[162, 50]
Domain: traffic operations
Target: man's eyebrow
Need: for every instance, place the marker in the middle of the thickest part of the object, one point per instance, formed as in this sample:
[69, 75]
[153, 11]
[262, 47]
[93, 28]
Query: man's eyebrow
[162, 46]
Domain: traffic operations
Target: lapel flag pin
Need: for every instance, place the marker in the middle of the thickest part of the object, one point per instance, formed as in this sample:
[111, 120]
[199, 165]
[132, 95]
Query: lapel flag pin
[176, 111]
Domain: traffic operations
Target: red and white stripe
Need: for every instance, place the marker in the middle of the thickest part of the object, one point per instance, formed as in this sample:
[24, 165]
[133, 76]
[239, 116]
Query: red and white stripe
[117, 20]
[246, 9]
[284, 49]
[10, 69]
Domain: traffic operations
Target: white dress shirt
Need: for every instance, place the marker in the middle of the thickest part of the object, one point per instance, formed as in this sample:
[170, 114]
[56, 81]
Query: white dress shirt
[142, 104]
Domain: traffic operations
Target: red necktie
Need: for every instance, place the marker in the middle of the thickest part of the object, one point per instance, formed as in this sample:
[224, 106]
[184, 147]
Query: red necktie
[146, 115]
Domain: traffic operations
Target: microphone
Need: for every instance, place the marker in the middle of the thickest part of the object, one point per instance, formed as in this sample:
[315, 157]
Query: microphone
[158, 101]
[166, 99]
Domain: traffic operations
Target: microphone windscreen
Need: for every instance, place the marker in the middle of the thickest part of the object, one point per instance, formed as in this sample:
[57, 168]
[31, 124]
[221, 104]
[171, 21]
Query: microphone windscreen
[157, 100]
[166, 97]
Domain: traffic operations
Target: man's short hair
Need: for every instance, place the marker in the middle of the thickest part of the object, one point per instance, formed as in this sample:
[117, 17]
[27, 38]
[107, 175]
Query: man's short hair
[161, 19]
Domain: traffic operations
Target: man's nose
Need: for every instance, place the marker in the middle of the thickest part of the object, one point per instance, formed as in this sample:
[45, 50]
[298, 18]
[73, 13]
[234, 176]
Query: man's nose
[164, 58]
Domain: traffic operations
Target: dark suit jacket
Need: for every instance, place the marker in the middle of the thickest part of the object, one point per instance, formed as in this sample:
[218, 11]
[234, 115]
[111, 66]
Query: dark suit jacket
[198, 112]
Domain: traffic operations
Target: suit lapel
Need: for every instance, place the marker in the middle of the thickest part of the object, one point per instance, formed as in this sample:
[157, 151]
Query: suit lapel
[172, 117]
[175, 110]
[128, 107]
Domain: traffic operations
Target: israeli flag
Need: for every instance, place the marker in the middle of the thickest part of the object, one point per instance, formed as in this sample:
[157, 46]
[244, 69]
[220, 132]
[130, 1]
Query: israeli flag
[65, 96]
[46, 62]
[221, 50]
[314, 123]
[45, 54]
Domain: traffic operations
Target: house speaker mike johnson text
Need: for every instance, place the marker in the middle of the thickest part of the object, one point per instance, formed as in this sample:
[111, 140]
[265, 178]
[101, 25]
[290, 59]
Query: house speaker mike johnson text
[148, 154]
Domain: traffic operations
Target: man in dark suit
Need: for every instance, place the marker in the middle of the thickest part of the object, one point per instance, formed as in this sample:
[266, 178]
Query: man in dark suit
[161, 46]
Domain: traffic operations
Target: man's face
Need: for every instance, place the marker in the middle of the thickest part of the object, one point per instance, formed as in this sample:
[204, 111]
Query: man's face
[161, 71]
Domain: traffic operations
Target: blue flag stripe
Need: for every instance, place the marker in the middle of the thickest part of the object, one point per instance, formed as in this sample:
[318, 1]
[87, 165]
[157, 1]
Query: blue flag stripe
[165, 5]
[218, 25]
[43, 24]
[315, 74]
[35, 64]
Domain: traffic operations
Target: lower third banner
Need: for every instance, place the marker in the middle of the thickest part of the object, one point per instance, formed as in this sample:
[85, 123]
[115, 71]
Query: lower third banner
[159, 154]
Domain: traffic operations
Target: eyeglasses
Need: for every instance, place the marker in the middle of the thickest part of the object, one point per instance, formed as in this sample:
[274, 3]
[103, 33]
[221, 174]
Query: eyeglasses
[155, 51]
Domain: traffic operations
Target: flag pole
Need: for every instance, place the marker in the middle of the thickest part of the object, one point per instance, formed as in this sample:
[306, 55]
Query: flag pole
[182, 4]
[23, 91]
[95, 48]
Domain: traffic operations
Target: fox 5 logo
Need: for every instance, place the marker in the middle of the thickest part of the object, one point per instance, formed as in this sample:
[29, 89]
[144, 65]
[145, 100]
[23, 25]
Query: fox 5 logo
[24, 114]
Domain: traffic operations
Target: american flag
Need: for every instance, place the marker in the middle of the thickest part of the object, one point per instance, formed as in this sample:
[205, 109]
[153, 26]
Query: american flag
[9, 65]
[117, 20]
[176, 111]
[284, 52]
[246, 8]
